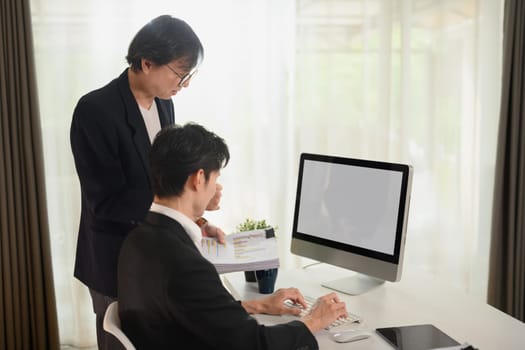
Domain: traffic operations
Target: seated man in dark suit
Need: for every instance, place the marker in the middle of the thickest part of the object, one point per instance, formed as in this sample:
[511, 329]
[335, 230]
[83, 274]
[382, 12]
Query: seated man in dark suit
[170, 296]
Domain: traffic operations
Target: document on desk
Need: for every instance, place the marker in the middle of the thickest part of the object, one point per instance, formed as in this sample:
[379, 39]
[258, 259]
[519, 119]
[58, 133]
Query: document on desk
[244, 251]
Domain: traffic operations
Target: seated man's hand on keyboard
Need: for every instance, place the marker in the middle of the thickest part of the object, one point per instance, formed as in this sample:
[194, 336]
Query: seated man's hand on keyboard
[326, 310]
[275, 304]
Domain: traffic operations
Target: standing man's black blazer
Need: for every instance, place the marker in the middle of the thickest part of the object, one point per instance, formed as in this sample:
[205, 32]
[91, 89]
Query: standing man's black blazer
[171, 297]
[110, 145]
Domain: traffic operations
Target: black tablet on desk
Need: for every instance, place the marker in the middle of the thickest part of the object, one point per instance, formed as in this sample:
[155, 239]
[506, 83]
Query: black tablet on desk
[417, 337]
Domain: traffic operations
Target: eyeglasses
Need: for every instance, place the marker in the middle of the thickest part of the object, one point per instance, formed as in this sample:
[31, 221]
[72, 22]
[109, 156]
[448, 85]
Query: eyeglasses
[183, 78]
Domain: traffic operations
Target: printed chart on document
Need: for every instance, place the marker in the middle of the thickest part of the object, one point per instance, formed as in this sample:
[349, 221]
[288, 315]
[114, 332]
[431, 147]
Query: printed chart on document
[244, 251]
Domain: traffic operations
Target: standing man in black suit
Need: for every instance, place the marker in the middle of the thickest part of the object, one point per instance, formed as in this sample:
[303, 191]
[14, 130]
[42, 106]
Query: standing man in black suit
[170, 296]
[111, 134]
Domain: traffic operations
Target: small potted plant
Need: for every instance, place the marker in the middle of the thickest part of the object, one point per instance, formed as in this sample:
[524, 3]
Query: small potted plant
[250, 225]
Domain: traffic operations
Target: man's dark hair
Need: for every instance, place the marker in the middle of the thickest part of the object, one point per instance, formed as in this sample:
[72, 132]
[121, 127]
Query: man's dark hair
[179, 151]
[162, 40]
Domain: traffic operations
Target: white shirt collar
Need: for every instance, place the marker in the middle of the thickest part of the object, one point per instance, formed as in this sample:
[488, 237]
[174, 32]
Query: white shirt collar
[151, 119]
[191, 228]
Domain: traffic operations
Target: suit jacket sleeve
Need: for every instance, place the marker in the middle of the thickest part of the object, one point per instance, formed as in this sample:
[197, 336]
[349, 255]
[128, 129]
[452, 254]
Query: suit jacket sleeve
[212, 314]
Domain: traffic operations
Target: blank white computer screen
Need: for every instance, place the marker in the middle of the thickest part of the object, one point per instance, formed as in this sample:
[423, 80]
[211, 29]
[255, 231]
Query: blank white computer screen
[350, 204]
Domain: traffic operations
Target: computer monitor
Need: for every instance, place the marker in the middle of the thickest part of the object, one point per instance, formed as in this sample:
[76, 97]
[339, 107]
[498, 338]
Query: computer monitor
[352, 213]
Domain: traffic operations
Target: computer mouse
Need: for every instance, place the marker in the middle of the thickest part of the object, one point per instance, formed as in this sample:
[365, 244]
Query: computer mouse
[351, 335]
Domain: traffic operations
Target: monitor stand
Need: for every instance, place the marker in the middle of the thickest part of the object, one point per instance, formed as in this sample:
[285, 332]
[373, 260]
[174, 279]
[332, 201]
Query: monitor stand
[354, 285]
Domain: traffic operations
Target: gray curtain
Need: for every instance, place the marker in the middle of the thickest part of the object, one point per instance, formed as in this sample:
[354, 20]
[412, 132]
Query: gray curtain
[27, 302]
[506, 289]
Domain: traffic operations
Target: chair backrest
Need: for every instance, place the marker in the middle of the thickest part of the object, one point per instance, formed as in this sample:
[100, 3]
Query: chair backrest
[112, 325]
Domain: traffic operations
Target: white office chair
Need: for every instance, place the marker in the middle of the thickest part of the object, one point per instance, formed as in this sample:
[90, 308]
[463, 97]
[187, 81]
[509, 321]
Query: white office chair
[112, 325]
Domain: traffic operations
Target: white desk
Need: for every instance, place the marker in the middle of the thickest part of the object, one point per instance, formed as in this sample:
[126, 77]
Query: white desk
[416, 299]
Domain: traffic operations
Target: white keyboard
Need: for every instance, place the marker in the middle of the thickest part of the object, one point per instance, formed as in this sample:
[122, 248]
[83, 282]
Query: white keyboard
[352, 318]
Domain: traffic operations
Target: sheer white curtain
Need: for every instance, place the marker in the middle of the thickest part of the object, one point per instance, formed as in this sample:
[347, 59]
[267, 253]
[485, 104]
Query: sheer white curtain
[410, 80]
[416, 82]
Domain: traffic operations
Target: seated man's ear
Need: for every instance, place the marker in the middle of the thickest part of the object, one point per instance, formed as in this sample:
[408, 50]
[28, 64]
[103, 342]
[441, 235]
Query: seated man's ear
[197, 179]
